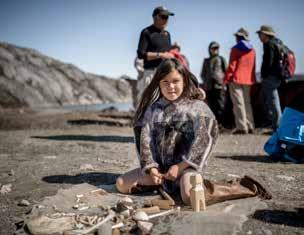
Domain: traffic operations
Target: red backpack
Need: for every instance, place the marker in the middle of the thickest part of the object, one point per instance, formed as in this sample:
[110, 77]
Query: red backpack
[287, 61]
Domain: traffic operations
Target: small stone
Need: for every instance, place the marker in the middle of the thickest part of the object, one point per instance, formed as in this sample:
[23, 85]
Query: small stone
[127, 201]
[23, 203]
[6, 188]
[11, 173]
[285, 177]
[145, 227]
[233, 175]
[86, 167]
[249, 232]
[267, 231]
[50, 157]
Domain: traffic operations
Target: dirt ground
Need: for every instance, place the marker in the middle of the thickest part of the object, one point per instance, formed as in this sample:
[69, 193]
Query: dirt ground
[43, 152]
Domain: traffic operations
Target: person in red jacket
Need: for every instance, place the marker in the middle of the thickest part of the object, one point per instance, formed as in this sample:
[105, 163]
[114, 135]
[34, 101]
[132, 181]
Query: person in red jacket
[239, 76]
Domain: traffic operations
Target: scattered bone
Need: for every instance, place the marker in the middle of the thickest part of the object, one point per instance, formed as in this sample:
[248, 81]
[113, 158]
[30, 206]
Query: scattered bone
[93, 228]
[127, 201]
[145, 227]
[83, 208]
[23, 203]
[285, 177]
[126, 213]
[233, 176]
[140, 216]
[150, 210]
[99, 191]
[86, 167]
[228, 208]
[6, 188]
[55, 208]
[119, 225]
[50, 157]
[40, 206]
[168, 212]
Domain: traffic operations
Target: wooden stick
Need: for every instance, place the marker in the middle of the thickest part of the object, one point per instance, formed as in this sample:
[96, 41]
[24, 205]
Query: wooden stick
[166, 196]
[162, 204]
[150, 210]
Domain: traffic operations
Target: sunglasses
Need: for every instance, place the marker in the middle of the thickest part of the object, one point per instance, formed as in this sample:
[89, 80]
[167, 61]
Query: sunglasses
[164, 17]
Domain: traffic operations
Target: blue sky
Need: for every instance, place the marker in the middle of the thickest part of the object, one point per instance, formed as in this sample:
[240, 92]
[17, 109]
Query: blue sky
[102, 36]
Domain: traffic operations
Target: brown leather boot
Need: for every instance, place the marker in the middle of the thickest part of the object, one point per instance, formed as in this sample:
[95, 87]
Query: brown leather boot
[234, 189]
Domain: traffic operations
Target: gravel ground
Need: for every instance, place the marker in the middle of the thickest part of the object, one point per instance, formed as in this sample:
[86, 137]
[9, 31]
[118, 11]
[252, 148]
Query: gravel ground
[43, 152]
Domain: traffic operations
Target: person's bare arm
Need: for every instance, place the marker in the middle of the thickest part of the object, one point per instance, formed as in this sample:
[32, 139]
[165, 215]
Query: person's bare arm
[158, 55]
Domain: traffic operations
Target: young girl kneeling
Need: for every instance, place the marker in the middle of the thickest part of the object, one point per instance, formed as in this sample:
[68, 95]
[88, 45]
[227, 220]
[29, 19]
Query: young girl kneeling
[175, 132]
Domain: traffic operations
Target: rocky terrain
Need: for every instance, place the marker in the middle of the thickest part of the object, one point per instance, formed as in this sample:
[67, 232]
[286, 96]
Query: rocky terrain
[41, 153]
[29, 78]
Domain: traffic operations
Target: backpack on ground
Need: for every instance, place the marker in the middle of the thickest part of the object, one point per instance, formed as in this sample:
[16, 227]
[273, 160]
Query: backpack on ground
[287, 143]
[287, 61]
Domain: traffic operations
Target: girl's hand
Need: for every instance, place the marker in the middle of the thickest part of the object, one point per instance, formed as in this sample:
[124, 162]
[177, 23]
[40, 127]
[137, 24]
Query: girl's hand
[176, 170]
[156, 177]
[173, 173]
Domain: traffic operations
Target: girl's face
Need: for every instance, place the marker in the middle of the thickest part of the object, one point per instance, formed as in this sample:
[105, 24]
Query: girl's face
[172, 85]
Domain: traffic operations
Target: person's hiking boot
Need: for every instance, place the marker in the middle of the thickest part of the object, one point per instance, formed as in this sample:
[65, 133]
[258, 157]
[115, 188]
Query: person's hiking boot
[252, 131]
[239, 132]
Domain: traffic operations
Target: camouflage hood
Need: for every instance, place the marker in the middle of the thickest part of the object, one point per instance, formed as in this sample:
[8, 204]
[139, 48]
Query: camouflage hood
[211, 45]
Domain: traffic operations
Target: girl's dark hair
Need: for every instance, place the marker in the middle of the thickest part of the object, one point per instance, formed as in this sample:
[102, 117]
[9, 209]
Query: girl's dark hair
[152, 92]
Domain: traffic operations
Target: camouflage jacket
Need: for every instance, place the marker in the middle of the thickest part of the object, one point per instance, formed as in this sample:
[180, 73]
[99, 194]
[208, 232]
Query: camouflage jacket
[213, 72]
[171, 132]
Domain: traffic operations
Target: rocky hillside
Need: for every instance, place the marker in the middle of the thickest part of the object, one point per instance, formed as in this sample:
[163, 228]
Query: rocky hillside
[29, 78]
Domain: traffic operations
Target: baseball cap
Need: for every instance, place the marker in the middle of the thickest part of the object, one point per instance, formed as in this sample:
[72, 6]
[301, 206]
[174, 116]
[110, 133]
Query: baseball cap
[162, 11]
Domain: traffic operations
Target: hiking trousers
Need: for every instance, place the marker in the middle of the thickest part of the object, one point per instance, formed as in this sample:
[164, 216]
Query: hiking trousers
[242, 110]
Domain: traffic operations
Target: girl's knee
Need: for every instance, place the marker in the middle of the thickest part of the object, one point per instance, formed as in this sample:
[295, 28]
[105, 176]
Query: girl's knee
[185, 194]
[121, 186]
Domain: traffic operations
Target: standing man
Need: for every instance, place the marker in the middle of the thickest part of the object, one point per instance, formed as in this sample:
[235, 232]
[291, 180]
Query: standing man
[154, 46]
[240, 76]
[212, 75]
[270, 73]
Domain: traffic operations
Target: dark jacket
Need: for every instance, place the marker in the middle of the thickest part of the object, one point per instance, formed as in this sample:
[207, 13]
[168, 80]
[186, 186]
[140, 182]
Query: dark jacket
[271, 58]
[153, 39]
[172, 132]
[213, 71]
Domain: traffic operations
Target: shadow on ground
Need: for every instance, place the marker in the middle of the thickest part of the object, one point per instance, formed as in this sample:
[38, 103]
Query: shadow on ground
[104, 138]
[84, 122]
[94, 178]
[289, 218]
[250, 158]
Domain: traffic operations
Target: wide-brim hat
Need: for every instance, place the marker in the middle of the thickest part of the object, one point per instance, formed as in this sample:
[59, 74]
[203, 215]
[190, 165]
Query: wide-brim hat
[266, 29]
[242, 33]
[162, 11]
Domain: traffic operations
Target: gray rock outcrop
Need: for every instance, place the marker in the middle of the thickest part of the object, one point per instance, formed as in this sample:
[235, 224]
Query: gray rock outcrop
[29, 78]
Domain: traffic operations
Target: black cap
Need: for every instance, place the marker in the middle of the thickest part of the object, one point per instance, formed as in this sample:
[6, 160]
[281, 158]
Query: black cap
[162, 11]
